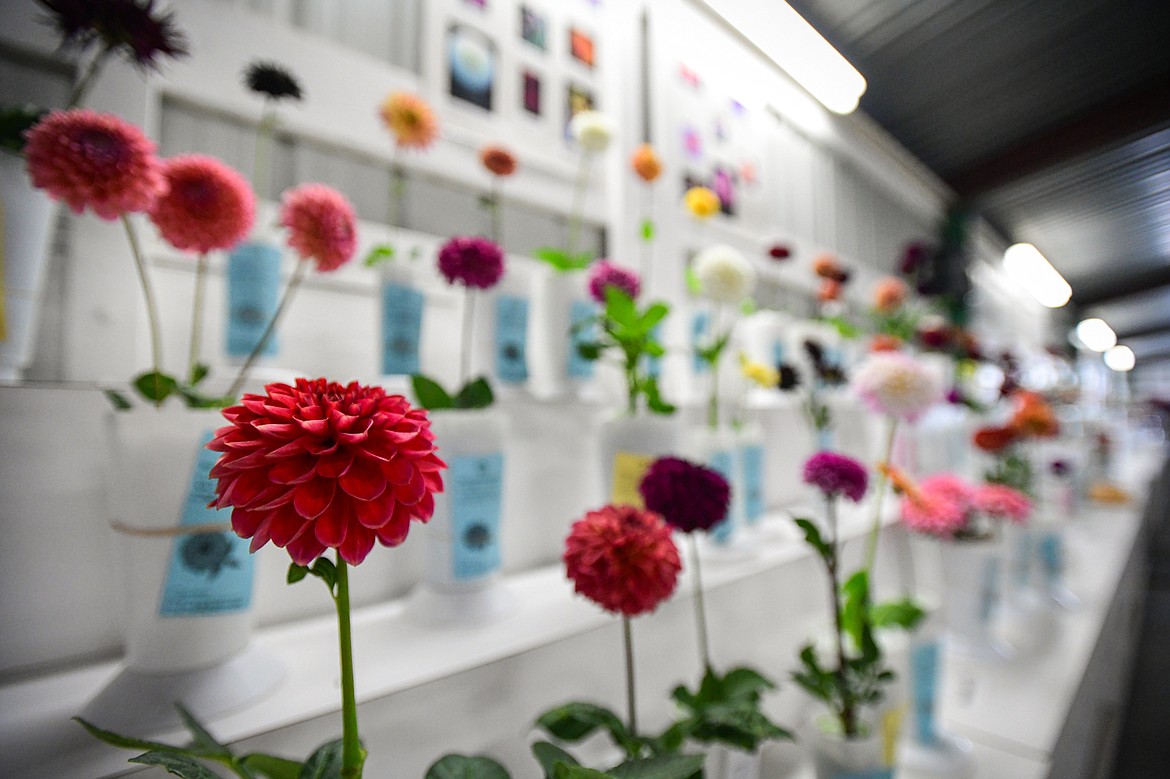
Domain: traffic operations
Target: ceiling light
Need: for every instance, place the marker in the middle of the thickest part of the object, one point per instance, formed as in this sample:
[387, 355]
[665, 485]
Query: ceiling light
[1096, 334]
[800, 51]
[1120, 358]
[1027, 266]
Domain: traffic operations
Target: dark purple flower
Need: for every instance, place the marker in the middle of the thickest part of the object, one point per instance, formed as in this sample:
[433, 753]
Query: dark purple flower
[273, 80]
[913, 257]
[1060, 468]
[131, 25]
[835, 474]
[605, 274]
[779, 252]
[689, 496]
[471, 261]
[789, 378]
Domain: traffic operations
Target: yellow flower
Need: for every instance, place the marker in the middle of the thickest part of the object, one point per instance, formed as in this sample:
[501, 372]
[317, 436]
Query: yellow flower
[764, 375]
[410, 119]
[701, 202]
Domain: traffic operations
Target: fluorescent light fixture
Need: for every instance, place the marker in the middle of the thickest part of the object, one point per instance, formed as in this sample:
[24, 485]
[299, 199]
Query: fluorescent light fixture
[784, 37]
[1096, 334]
[1027, 266]
[1120, 358]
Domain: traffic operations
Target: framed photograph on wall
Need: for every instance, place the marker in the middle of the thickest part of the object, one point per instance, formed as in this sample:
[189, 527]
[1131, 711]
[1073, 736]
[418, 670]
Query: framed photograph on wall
[581, 47]
[578, 98]
[471, 64]
[533, 27]
[530, 93]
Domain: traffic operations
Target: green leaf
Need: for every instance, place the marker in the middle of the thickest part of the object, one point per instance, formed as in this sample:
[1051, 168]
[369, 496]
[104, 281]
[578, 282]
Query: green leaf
[119, 401]
[654, 400]
[155, 386]
[271, 766]
[694, 286]
[476, 394]
[199, 735]
[561, 260]
[15, 120]
[746, 684]
[904, 613]
[653, 315]
[812, 536]
[199, 372]
[659, 767]
[179, 765]
[590, 350]
[127, 742]
[647, 230]
[575, 721]
[325, 763]
[563, 771]
[296, 572]
[195, 399]
[855, 615]
[549, 755]
[430, 394]
[844, 327]
[381, 253]
[620, 308]
[463, 767]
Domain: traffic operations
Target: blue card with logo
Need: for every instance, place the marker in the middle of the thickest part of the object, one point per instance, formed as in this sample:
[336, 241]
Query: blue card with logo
[402, 312]
[721, 461]
[579, 367]
[476, 485]
[253, 279]
[924, 684]
[512, 338]
[752, 457]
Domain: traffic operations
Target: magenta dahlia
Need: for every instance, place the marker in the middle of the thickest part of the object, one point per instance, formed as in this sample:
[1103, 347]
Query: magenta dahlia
[604, 274]
[1002, 502]
[689, 496]
[208, 206]
[835, 474]
[96, 161]
[321, 465]
[471, 261]
[623, 559]
[321, 225]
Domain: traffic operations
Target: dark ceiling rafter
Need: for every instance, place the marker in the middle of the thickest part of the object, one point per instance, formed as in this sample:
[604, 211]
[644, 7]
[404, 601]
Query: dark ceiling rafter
[1115, 120]
[1117, 287]
[1150, 328]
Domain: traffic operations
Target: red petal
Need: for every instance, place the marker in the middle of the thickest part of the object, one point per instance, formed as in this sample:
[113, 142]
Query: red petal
[413, 491]
[375, 513]
[246, 522]
[286, 525]
[245, 488]
[336, 465]
[363, 480]
[291, 449]
[305, 549]
[425, 508]
[394, 532]
[330, 528]
[399, 470]
[293, 470]
[314, 426]
[312, 498]
[358, 543]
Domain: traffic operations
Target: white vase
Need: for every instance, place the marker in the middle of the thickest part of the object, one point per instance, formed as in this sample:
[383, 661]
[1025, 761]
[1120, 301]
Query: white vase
[627, 446]
[188, 577]
[28, 219]
[561, 300]
[461, 584]
[729, 763]
[973, 573]
[836, 757]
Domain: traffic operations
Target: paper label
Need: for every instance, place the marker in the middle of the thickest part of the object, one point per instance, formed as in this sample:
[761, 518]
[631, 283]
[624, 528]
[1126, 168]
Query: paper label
[777, 353]
[891, 731]
[512, 338]
[989, 592]
[209, 573]
[628, 470]
[579, 367]
[699, 324]
[752, 458]
[402, 311]
[721, 461]
[476, 484]
[924, 684]
[1051, 549]
[253, 276]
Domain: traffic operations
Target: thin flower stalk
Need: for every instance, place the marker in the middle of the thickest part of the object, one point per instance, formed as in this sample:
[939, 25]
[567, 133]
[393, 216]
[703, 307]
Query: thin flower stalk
[197, 307]
[353, 755]
[700, 606]
[151, 305]
[258, 349]
[631, 696]
[871, 541]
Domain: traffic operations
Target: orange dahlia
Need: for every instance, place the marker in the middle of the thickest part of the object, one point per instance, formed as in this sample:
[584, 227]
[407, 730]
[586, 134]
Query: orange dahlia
[995, 439]
[96, 161]
[410, 119]
[1033, 416]
[498, 160]
[890, 294]
[321, 465]
[623, 559]
[646, 163]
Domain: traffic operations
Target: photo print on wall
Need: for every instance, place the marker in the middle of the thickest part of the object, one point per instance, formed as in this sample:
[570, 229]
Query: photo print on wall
[533, 27]
[581, 47]
[471, 61]
[577, 99]
[530, 92]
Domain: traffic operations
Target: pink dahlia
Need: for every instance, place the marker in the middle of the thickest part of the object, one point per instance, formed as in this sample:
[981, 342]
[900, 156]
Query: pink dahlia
[208, 206]
[321, 465]
[321, 225]
[1002, 502]
[896, 384]
[471, 261]
[940, 506]
[605, 274]
[623, 559]
[689, 496]
[835, 474]
[93, 160]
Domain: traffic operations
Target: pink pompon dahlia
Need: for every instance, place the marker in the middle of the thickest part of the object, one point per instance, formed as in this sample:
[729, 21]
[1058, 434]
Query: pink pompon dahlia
[472, 262]
[321, 225]
[603, 274]
[689, 496]
[96, 161]
[941, 506]
[896, 384]
[1002, 502]
[320, 465]
[623, 559]
[890, 295]
[208, 205]
[835, 474]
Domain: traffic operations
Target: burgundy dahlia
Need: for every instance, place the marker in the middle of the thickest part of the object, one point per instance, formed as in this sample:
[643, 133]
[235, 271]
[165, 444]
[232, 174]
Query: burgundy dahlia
[472, 262]
[689, 496]
[835, 474]
[133, 25]
[321, 465]
[604, 274]
[623, 559]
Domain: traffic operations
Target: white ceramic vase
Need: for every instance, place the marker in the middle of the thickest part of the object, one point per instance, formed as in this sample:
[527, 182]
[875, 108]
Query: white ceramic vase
[628, 444]
[835, 757]
[728, 763]
[973, 573]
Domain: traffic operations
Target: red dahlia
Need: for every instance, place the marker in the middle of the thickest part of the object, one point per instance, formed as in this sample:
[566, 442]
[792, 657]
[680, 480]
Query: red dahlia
[622, 559]
[322, 465]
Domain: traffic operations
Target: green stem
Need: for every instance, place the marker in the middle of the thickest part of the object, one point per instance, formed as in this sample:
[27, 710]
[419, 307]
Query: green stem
[495, 228]
[397, 191]
[353, 756]
[197, 317]
[847, 712]
[700, 607]
[465, 343]
[151, 304]
[260, 178]
[880, 493]
[631, 383]
[87, 79]
[293, 283]
[631, 703]
[644, 255]
[578, 203]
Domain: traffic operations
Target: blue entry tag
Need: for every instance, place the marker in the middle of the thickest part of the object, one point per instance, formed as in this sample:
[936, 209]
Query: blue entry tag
[253, 277]
[721, 461]
[579, 367]
[402, 311]
[512, 338]
[752, 459]
[699, 324]
[476, 484]
[924, 685]
[209, 573]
